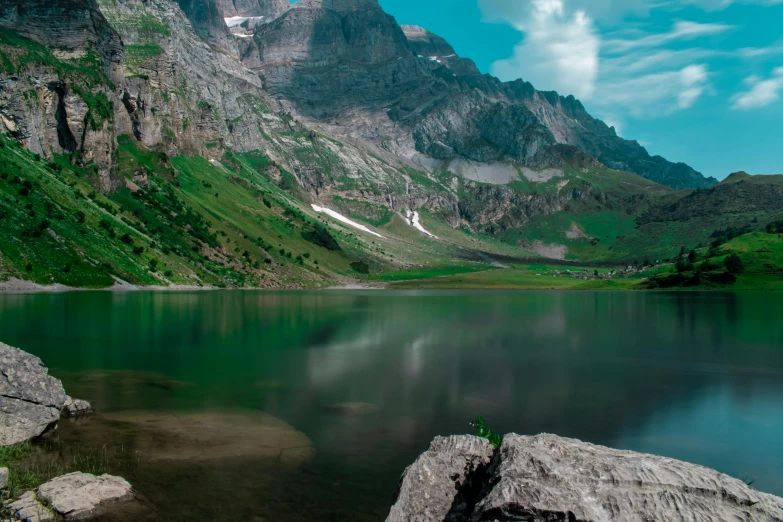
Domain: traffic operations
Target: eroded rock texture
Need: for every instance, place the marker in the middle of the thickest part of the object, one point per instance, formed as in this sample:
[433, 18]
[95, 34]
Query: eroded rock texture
[550, 478]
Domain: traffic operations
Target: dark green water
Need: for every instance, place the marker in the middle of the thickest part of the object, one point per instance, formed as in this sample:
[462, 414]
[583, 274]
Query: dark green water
[697, 377]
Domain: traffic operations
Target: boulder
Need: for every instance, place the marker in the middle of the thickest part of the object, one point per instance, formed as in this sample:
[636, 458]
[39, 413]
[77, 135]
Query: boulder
[80, 496]
[76, 407]
[30, 399]
[440, 479]
[3, 478]
[546, 477]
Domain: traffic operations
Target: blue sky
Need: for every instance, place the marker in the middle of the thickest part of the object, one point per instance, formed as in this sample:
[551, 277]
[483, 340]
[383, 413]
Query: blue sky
[698, 81]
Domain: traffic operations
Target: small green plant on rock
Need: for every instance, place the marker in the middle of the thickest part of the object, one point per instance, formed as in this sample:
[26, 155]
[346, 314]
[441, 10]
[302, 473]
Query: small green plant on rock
[484, 432]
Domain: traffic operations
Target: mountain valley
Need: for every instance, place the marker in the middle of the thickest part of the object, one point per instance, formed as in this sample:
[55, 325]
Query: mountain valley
[191, 143]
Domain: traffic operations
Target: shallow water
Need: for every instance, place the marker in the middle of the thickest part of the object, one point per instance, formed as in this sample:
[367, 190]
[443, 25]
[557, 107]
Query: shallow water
[292, 407]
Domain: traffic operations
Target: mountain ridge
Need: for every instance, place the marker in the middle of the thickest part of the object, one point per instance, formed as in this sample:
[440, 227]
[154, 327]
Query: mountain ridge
[565, 117]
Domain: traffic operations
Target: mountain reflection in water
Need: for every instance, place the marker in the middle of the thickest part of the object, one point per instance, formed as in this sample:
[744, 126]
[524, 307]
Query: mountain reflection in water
[368, 379]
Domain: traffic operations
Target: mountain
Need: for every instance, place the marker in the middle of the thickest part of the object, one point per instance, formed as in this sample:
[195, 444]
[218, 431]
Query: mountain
[350, 61]
[160, 146]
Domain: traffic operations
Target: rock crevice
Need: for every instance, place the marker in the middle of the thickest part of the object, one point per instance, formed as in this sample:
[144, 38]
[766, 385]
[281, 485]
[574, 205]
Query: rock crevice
[548, 478]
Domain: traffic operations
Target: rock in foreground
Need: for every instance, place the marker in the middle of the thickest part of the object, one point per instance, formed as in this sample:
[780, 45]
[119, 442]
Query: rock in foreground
[548, 478]
[30, 399]
[76, 496]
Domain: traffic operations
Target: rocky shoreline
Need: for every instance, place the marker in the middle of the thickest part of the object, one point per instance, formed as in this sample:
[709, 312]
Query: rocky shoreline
[547, 478]
[31, 404]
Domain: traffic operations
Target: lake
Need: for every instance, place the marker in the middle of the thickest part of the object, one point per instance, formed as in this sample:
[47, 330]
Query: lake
[288, 407]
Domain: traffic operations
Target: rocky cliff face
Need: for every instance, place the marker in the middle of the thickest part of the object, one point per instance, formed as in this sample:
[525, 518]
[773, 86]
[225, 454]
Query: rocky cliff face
[349, 61]
[546, 478]
[55, 93]
[253, 8]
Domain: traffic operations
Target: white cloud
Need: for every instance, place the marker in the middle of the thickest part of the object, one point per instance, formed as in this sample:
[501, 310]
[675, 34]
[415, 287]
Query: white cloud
[630, 73]
[682, 30]
[559, 51]
[761, 93]
[655, 94]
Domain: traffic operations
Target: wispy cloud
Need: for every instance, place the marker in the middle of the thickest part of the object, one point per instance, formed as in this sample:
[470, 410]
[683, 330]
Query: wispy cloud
[560, 49]
[761, 92]
[655, 94]
[719, 5]
[682, 30]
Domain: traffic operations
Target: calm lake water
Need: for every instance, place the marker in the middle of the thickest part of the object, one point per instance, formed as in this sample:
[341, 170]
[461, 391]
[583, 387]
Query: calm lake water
[287, 407]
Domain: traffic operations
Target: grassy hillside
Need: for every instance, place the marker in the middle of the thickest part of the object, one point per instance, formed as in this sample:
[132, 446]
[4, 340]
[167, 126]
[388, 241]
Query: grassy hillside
[192, 223]
[189, 221]
[757, 264]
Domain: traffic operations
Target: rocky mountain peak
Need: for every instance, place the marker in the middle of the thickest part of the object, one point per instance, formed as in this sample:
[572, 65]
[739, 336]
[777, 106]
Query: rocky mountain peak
[430, 46]
[426, 43]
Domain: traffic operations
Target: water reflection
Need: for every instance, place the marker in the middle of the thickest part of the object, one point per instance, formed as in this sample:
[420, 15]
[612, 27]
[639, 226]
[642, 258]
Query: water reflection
[692, 376]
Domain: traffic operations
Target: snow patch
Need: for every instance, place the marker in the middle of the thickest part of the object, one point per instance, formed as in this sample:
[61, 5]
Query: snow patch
[239, 20]
[413, 220]
[340, 217]
[217, 164]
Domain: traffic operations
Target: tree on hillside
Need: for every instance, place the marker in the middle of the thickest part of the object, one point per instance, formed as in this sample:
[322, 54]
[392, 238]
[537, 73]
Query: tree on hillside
[692, 256]
[734, 264]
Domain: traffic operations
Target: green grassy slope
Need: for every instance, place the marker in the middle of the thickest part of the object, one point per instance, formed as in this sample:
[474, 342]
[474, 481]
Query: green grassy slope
[194, 223]
[760, 265]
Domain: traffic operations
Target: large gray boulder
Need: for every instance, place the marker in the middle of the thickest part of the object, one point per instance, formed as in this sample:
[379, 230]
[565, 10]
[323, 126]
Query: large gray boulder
[75, 496]
[548, 478]
[30, 399]
[3, 478]
[80, 496]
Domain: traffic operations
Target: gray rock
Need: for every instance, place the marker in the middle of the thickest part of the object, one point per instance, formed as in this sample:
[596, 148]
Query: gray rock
[80, 496]
[76, 407]
[3, 478]
[265, 8]
[29, 509]
[30, 399]
[439, 479]
[546, 478]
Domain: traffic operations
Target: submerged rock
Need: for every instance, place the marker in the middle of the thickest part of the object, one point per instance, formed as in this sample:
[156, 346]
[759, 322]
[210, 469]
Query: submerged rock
[546, 477]
[76, 407]
[30, 399]
[208, 436]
